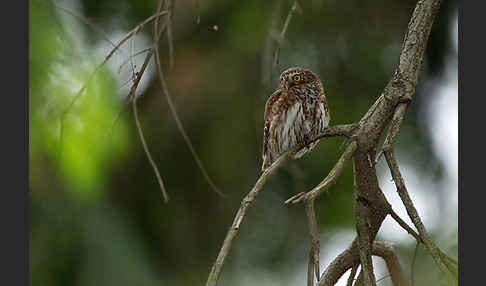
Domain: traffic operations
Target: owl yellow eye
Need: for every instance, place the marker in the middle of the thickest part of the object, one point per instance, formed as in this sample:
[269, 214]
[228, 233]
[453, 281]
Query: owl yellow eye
[297, 78]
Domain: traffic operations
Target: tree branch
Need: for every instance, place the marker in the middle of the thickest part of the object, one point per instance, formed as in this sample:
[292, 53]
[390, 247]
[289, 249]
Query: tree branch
[329, 180]
[337, 130]
[245, 204]
[413, 214]
[351, 275]
[147, 152]
[404, 225]
[282, 33]
[365, 240]
[172, 108]
[349, 258]
[386, 251]
[313, 267]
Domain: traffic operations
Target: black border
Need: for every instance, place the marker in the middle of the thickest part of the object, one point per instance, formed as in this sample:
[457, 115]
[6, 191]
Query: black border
[14, 218]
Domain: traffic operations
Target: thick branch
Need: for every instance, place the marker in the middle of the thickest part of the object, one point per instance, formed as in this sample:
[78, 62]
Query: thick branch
[415, 41]
[349, 258]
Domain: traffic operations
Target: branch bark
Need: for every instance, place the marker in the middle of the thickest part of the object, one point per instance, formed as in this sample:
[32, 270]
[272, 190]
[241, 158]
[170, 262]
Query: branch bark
[349, 258]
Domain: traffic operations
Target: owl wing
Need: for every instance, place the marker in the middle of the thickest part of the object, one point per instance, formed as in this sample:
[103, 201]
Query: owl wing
[321, 114]
[267, 118]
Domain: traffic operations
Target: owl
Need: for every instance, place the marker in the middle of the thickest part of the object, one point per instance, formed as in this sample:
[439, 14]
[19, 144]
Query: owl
[295, 113]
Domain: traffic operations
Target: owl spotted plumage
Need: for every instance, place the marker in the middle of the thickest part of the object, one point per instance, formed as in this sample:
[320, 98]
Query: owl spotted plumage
[295, 113]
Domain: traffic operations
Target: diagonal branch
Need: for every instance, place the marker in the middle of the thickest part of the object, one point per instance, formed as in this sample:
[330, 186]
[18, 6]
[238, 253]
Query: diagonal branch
[281, 37]
[245, 204]
[414, 216]
[329, 180]
[173, 111]
[147, 152]
[404, 225]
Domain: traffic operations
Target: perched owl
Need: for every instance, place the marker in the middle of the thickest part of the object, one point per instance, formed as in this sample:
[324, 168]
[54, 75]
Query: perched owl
[294, 113]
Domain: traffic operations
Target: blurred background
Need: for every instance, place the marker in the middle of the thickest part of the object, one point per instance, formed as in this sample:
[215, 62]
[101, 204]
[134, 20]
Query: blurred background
[97, 215]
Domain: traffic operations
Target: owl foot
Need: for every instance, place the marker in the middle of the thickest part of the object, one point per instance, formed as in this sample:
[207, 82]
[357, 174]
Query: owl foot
[307, 140]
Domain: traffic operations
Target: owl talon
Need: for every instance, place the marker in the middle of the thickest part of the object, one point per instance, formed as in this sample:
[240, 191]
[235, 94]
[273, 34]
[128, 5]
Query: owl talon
[307, 140]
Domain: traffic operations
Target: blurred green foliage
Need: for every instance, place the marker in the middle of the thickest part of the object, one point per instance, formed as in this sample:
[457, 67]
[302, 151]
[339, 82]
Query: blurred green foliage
[82, 158]
[97, 216]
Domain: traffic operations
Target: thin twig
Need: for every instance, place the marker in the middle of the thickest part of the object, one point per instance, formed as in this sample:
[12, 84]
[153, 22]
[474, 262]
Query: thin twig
[86, 21]
[412, 267]
[268, 47]
[131, 94]
[314, 250]
[90, 77]
[394, 128]
[403, 193]
[132, 56]
[132, 47]
[352, 275]
[170, 41]
[282, 34]
[245, 204]
[147, 152]
[173, 111]
[404, 225]
[383, 278]
[413, 214]
[329, 180]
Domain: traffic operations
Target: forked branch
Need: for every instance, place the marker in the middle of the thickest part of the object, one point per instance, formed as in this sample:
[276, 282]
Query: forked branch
[338, 130]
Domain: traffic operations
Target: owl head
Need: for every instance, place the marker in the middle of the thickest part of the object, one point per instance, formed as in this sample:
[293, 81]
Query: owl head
[297, 76]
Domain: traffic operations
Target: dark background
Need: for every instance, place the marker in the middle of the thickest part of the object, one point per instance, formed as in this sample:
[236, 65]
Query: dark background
[96, 211]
